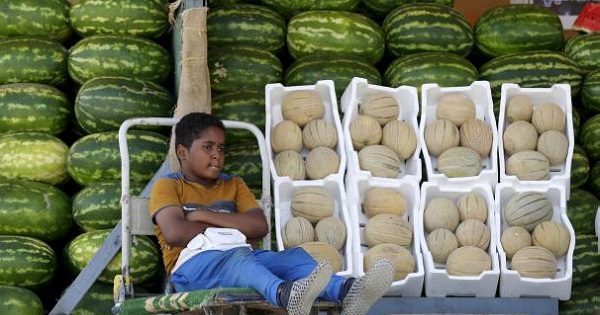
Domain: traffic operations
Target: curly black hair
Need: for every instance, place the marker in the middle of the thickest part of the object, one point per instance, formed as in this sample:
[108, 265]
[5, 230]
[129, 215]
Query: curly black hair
[191, 127]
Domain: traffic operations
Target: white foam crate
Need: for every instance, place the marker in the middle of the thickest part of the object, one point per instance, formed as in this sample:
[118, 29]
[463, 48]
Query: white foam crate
[408, 101]
[274, 94]
[480, 93]
[511, 283]
[357, 187]
[559, 94]
[284, 190]
[438, 283]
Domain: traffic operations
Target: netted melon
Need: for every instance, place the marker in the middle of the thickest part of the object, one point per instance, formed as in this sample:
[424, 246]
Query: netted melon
[441, 135]
[296, 231]
[380, 160]
[473, 232]
[548, 116]
[319, 132]
[518, 136]
[528, 209]
[472, 205]
[321, 251]
[440, 212]
[364, 131]
[286, 135]
[456, 107]
[302, 106]
[534, 262]
[380, 106]
[331, 230]
[553, 236]
[459, 162]
[477, 135]
[290, 163]
[528, 165]
[441, 242]
[384, 200]
[313, 203]
[514, 238]
[519, 107]
[400, 137]
[402, 259]
[554, 145]
[388, 228]
[322, 162]
[468, 261]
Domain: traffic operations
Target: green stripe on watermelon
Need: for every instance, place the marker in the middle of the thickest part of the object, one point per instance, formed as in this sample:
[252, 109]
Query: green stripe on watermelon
[104, 103]
[33, 107]
[593, 183]
[233, 68]
[244, 105]
[118, 55]
[580, 167]
[17, 300]
[48, 19]
[581, 210]
[143, 18]
[585, 300]
[26, 262]
[34, 156]
[289, 8]
[335, 33]
[96, 157]
[586, 260]
[576, 121]
[243, 160]
[246, 24]
[33, 60]
[590, 92]
[34, 209]
[589, 137]
[585, 50]
[341, 69]
[144, 261]
[426, 27]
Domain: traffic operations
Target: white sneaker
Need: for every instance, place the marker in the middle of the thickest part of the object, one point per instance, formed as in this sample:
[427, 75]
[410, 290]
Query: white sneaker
[367, 289]
[305, 291]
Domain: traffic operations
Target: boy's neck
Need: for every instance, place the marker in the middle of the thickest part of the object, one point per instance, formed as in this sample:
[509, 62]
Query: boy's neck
[207, 183]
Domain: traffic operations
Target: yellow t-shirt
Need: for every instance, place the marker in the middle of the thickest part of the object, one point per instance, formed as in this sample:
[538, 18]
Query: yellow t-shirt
[231, 194]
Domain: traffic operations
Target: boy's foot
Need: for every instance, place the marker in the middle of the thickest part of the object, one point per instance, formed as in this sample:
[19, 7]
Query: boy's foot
[305, 291]
[367, 289]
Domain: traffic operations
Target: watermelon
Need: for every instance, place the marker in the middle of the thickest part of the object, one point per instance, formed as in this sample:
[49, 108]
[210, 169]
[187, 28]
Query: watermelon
[246, 24]
[33, 156]
[576, 121]
[36, 18]
[585, 300]
[26, 262]
[34, 209]
[33, 60]
[589, 137]
[118, 55]
[518, 28]
[144, 261]
[580, 167]
[143, 18]
[341, 69]
[586, 260]
[103, 103]
[247, 106]
[381, 8]
[590, 92]
[98, 205]
[97, 300]
[33, 107]
[531, 69]
[289, 8]
[445, 69]
[581, 210]
[17, 300]
[587, 21]
[243, 160]
[233, 68]
[427, 27]
[335, 33]
[594, 180]
[96, 157]
[585, 50]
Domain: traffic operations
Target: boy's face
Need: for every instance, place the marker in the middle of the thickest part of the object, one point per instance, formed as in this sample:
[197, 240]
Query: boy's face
[204, 161]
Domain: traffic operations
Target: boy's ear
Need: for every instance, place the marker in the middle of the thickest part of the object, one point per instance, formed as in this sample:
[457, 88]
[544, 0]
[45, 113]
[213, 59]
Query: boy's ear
[181, 152]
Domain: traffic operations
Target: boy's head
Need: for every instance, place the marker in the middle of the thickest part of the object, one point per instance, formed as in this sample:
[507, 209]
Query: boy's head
[192, 126]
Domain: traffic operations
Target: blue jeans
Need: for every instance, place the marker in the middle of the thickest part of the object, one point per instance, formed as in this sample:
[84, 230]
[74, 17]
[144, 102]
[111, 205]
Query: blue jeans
[262, 270]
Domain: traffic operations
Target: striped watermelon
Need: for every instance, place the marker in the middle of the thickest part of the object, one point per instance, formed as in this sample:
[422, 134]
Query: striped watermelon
[17, 300]
[576, 120]
[33, 60]
[531, 69]
[233, 68]
[586, 260]
[41, 18]
[33, 107]
[445, 69]
[427, 27]
[590, 92]
[118, 55]
[26, 262]
[103, 103]
[98, 205]
[243, 160]
[335, 33]
[585, 50]
[594, 180]
[98, 300]
[581, 210]
[144, 261]
[246, 24]
[589, 137]
[244, 105]
[288, 8]
[580, 167]
[143, 18]
[34, 209]
[518, 28]
[341, 69]
[381, 8]
[96, 157]
[34, 156]
[585, 300]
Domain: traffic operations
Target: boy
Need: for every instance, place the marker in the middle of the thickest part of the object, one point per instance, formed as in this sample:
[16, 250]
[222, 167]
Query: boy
[203, 217]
